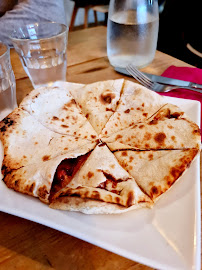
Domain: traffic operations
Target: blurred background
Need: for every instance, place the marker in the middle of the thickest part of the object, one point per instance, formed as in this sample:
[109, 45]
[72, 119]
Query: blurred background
[179, 25]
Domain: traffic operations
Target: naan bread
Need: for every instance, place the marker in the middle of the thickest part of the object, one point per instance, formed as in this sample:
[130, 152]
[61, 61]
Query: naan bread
[72, 146]
[169, 128]
[136, 104]
[101, 178]
[156, 171]
[55, 108]
[26, 141]
[36, 179]
[98, 101]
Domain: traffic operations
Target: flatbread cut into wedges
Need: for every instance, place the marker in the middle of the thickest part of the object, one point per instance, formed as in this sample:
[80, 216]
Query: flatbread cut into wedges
[169, 128]
[136, 104]
[55, 108]
[26, 141]
[156, 171]
[102, 179]
[98, 101]
[72, 146]
[36, 179]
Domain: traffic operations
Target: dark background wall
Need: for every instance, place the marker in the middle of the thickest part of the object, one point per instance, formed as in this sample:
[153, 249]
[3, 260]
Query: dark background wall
[181, 23]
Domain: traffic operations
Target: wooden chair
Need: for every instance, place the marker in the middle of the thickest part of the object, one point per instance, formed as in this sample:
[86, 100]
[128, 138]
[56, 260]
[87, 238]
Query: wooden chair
[102, 8]
[95, 8]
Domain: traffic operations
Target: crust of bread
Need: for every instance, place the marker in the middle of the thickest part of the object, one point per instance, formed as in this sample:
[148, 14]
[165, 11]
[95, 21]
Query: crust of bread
[89, 206]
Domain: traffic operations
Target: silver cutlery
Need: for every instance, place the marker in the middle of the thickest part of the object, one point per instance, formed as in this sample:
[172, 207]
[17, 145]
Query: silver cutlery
[157, 87]
[163, 80]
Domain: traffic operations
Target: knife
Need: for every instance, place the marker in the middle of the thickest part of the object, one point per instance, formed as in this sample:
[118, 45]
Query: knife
[163, 80]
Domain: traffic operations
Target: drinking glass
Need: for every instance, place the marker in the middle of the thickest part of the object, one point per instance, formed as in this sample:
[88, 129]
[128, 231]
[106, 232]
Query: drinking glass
[132, 32]
[42, 51]
[7, 83]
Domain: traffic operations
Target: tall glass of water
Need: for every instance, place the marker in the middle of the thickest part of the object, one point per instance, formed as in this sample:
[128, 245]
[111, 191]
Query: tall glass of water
[7, 83]
[132, 32]
[42, 51]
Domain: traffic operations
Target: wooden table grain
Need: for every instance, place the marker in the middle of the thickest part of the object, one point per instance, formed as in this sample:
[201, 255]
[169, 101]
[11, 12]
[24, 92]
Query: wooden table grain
[25, 245]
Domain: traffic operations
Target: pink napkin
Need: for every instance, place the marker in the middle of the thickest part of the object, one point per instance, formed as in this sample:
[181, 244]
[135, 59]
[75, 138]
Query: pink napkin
[187, 74]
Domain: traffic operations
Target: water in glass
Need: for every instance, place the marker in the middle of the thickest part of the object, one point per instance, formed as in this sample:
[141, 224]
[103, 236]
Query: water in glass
[45, 67]
[7, 100]
[132, 36]
[42, 50]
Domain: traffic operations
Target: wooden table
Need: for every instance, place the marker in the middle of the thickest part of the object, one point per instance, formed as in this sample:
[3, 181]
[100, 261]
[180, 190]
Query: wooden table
[25, 245]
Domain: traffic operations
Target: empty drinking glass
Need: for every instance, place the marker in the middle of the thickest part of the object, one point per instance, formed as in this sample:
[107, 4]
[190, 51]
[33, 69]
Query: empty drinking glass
[7, 83]
[42, 51]
[132, 32]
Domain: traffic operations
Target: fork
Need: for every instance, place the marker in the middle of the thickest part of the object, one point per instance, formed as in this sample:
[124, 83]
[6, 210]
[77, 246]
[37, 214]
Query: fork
[157, 87]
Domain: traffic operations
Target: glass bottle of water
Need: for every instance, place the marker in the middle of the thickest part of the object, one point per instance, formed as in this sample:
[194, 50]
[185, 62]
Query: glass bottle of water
[132, 32]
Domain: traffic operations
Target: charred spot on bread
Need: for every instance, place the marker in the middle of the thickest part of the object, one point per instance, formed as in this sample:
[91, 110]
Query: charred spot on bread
[69, 104]
[109, 110]
[173, 138]
[130, 199]
[90, 174]
[176, 115]
[124, 153]
[7, 123]
[31, 188]
[96, 195]
[106, 97]
[160, 137]
[46, 157]
[176, 172]
[147, 136]
[55, 118]
[64, 126]
[155, 192]
[101, 144]
[118, 137]
[151, 156]
[197, 132]
[153, 122]
[127, 111]
[4, 169]
[42, 192]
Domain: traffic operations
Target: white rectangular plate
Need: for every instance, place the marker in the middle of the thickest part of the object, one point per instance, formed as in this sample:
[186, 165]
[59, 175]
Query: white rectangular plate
[165, 237]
